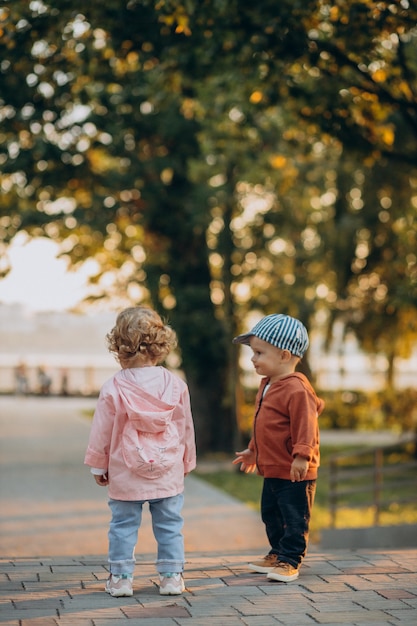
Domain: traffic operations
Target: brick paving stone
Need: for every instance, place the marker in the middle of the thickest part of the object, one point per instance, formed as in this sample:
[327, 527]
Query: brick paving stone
[376, 617]
[354, 582]
[366, 570]
[157, 612]
[57, 576]
[379, 579]
[270, 605]
[147, 621]
[7, 565]
[218, 572]
[397, 593]
[47, 606]
[327, 587]
[75, 620]
[411, 603]
[295, 619]
[284, 589]
[5, 605]
[9, 614]
[351, 623]
[210, 587]
[403, 619]
[31, 613]
[50, 586]
[204, 621]
[199, 607]
[410, 577]
[195, 574]
[7, 587]
[39, 621]
[382, 562]
[254, 620]
[36, 595]
[93, 612]
[17, 574]
[336, 606]
[369, 600]
[136, 622]
[99, 601]
[242, 580]
[320, 568]
[250, 591]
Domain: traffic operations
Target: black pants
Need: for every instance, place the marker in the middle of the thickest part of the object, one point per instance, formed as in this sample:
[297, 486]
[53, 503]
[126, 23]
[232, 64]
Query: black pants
[286, 510]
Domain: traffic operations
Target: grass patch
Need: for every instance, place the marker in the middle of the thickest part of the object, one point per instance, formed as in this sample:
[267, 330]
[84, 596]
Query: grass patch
[247, 488]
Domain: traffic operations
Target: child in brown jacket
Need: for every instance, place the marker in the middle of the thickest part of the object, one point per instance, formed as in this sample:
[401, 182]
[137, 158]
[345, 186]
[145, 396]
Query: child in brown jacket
[284, 447]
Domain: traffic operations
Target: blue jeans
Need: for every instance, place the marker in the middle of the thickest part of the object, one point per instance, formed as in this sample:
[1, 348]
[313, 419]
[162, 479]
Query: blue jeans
[167, 523]
[286, 511]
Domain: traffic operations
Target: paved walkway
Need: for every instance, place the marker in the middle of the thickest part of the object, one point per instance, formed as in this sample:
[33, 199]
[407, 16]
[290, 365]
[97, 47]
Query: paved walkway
[51, 505]
[53, 537]
[377, 588]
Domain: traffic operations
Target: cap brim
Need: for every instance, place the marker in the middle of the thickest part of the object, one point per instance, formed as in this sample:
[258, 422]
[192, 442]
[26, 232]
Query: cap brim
[243, 339]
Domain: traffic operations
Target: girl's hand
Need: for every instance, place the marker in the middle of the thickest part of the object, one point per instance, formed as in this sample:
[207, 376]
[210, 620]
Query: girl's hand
[247, 461]
[101, 479]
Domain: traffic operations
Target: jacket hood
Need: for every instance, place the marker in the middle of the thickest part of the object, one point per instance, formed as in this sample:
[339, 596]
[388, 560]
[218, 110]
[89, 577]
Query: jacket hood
[148, 413]
[306, 383]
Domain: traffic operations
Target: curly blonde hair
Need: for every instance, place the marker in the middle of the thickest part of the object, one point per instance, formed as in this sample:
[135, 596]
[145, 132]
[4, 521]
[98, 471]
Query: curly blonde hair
[139, 331]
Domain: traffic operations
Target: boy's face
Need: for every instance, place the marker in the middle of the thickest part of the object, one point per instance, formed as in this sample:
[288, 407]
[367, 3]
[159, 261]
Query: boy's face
[268, 360]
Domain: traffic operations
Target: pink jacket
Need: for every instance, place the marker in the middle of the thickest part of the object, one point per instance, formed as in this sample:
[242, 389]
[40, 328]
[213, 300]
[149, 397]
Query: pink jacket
[134, 407]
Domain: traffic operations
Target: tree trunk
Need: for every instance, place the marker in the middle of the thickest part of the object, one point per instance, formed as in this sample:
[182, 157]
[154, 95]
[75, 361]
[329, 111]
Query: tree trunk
[180, 255]
[390, 370]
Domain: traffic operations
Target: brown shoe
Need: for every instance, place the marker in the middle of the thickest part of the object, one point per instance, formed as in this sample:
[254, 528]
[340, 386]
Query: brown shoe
[283, 572]
[265, 565]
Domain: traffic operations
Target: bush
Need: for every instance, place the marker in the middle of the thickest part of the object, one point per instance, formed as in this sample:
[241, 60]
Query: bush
[358, 410]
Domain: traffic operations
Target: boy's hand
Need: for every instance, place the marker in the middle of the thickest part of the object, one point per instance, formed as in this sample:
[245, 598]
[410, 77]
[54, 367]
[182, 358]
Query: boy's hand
[299, 469]
[247, 461]
[101, 479]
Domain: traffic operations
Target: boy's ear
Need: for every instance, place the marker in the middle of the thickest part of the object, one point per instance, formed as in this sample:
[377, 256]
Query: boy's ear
[286, 355]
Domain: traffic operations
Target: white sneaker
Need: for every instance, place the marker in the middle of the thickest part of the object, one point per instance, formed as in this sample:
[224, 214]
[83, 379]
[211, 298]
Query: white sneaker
[171, 584]
[119, 586]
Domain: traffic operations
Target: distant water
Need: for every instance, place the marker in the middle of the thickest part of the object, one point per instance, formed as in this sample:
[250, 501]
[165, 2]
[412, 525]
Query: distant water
[86, 374]
[66, 375]
[76, 344]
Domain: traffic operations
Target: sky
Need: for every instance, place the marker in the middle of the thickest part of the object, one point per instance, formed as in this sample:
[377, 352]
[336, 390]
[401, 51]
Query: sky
[38, 280]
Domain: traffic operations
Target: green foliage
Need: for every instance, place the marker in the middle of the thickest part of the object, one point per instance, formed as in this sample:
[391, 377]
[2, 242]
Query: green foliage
[219, 157]
[387, 409]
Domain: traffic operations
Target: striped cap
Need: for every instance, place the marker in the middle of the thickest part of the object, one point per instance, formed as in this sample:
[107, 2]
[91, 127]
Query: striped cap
[282, 331]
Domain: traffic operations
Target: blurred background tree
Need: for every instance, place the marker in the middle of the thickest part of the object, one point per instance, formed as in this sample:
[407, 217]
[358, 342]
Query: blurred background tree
[219, 158]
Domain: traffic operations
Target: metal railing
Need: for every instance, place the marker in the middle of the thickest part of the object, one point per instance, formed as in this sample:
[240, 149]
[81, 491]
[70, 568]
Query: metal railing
[379, 477]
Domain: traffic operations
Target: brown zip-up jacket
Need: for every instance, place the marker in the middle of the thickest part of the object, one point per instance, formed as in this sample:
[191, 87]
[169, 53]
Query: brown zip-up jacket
[286, 425]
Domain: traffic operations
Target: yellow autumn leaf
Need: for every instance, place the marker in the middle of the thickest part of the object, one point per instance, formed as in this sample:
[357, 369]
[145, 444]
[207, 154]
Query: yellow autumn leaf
[388, 136]
[256, 97]
[379, 76]
[183, 29]
[168, 20]
[334, 13]
[182, 24]
[278, 161]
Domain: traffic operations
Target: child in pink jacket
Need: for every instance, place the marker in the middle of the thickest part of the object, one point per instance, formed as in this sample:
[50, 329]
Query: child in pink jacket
[141, 446]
